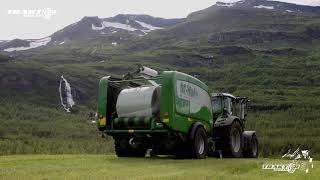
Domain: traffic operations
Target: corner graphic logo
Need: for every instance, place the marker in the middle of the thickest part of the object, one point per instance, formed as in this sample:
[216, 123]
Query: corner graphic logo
[299, 160]
[45, 13]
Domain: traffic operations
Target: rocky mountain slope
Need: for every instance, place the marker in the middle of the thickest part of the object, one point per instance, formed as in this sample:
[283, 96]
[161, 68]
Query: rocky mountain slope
[90, 27]
[271, 5]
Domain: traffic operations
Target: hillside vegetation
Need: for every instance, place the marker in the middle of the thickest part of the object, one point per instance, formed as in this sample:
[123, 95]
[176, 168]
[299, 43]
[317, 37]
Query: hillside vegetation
[270, 56]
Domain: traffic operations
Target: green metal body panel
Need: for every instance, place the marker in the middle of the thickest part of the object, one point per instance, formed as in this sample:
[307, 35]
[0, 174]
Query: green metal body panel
[181, 116]
[102, 102]
[179, 104]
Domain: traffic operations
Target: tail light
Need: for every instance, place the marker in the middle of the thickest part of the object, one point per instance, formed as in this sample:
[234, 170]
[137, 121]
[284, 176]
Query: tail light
[165, 117]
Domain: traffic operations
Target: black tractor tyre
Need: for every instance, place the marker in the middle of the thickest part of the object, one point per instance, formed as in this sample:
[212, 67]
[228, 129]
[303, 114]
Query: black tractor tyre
[199, 144]
[124, 149]
[252, 150]
[231, 140]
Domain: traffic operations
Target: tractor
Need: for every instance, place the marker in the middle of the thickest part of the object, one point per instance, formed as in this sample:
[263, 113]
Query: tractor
[172, 113]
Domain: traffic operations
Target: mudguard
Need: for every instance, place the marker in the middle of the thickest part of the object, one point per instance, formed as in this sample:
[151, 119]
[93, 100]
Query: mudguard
[248, 135]
[226, 121]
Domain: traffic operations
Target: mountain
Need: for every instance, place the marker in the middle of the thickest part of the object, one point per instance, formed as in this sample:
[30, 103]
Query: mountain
[95, 27]
[272, 5]
[256, 15]
[120, 24]
[254, 48]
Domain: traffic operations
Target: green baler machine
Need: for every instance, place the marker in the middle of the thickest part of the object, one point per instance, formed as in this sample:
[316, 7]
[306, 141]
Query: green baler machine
[169, 112]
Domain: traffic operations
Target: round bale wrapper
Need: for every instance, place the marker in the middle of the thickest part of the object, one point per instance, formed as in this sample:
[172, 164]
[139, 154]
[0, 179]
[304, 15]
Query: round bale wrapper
[139, 102]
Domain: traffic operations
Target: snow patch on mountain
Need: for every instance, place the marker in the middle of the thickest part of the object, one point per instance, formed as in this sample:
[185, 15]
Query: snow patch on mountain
[33, 44]
[264, 7]
[289, 11]
[97, 28]
[117, 25]
[225, 4]
[128, 27]
[148, 26]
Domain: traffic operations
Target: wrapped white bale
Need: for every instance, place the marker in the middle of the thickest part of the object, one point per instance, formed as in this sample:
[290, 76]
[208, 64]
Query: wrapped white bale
[138, 102]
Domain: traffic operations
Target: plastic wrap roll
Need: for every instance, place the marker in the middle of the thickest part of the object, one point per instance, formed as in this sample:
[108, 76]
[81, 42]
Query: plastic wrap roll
[138, 102]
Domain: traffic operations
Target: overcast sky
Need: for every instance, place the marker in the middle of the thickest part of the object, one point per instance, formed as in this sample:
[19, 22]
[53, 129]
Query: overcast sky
[70, 11]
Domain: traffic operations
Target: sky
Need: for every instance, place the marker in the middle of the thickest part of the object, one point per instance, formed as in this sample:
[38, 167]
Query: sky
[65, 12]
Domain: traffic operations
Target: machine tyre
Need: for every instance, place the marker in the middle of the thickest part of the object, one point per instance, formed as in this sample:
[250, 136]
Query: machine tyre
[252, 150]
[199, 144]
[231, 140]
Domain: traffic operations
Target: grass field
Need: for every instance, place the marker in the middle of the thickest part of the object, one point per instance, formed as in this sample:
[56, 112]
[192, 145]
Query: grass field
[111, 167]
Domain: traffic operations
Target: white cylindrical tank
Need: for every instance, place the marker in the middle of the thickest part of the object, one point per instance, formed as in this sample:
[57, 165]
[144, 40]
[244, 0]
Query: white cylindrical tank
[138, 102]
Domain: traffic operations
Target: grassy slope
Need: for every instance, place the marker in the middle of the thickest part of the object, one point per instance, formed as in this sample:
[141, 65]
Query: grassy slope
[29, 128]
[37, 124]
[110, 167]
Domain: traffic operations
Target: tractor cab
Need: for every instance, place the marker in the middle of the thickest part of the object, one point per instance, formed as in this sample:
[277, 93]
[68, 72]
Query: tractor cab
[224, 104]
[229, 115]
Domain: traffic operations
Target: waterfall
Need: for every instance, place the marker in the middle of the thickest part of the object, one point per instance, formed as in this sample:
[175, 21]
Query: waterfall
[66, 93]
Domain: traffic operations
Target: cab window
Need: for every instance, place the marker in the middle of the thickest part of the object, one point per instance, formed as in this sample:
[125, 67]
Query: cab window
[216, 104]
[228, 105]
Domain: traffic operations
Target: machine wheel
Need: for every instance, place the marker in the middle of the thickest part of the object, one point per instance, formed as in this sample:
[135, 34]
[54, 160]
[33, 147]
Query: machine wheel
[124, 149]
[199, 144]
[252, 150]
[231, 142]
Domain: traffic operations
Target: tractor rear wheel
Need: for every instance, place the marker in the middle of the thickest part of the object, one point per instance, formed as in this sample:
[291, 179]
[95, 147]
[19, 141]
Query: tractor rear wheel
[231, 140]
[124, 149]
[252, 150]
